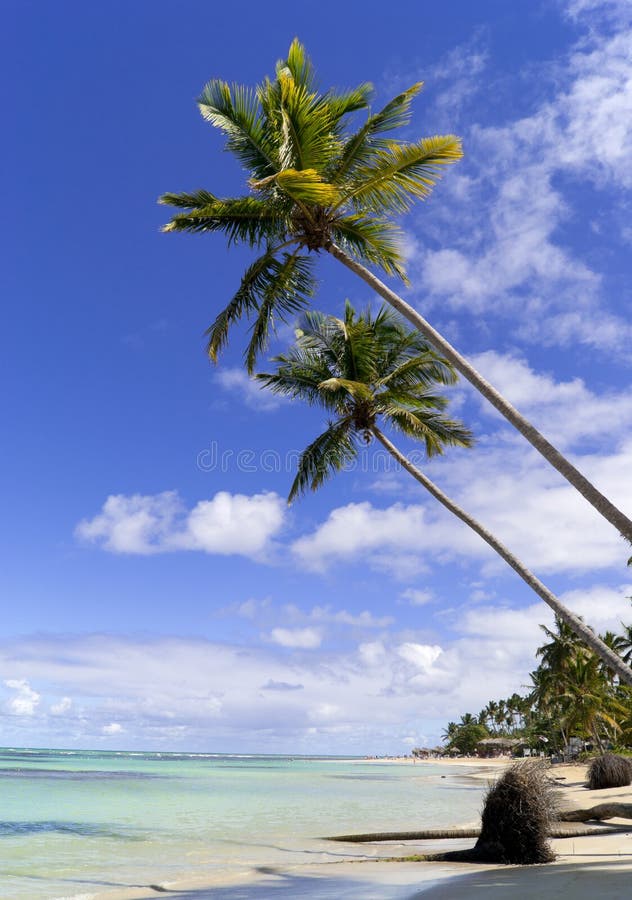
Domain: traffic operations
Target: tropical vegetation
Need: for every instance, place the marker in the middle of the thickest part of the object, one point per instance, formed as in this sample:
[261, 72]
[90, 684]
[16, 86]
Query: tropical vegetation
[364, 370]
[573, 700]
[319, 182]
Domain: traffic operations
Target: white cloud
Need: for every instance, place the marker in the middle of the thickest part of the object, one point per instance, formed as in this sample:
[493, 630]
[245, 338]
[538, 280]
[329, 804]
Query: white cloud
[112, 728]
[504, 484]
[507, 256]
[226, 524]
[453, 81]
[253, 395]
[234, 523]
[421, 656]
[418, 597]
[304, 638]
[617, 10]
[136, 524]
[364, 619]
[526, 505]
[372, 653]
[182, 692]
[566, 411]
[387, 538]
[64, 706]
[26, 699]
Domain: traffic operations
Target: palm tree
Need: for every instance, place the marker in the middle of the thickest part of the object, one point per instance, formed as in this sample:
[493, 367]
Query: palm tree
[468, 719]
[562, 647]
[589, 707]
[364, 368]
[488, 716]
[516, 707]
[449, 732]
[317, 186]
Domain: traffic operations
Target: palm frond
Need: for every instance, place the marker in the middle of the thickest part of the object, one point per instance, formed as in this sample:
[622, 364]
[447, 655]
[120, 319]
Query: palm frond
[299, 376]
[355, 389]
[270, 286]
[195, 200]
[372, 239]
[342, 103]
[242, 219]
[307, 186]
[325, 456]
[318, 335]
[308, 139]
[362, 146]
[235, 110]
[421, 370]
[299, 65]
[435, 430]
[403, 173]
[287, 291]
[245, 302]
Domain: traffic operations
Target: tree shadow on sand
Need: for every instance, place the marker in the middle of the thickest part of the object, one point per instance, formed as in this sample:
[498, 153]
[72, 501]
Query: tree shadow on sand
[608, 880]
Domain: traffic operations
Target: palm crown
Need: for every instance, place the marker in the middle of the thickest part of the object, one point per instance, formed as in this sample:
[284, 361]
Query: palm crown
[359, 369]
[315, 182]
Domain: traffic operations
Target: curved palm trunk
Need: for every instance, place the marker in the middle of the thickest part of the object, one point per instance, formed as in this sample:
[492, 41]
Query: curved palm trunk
[583, 631]
[603, 506]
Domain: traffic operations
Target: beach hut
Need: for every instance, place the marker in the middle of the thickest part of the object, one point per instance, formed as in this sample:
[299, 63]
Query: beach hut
[491, 748]
[422, 752]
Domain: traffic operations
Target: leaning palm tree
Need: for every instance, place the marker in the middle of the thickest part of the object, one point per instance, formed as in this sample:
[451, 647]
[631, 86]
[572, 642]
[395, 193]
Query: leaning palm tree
[363, 369]
[318, 185]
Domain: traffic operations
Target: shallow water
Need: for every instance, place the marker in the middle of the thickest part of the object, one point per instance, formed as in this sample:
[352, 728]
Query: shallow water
[75, 824]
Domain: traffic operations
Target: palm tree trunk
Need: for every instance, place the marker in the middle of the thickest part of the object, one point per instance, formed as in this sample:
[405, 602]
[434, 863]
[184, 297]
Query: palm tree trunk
[586, 634]
[603, 506]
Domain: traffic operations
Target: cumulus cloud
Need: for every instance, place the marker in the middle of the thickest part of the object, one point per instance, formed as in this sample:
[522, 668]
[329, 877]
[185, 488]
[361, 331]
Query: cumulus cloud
[387, 538]
[25, 701]
[240, 384]
[421, 656]
[160, 523]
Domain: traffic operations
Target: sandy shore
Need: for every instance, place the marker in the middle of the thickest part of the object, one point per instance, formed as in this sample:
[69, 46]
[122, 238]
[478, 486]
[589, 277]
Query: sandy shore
[586, 867]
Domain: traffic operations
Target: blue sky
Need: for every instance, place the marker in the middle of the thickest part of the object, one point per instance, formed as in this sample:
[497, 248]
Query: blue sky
[157, 591]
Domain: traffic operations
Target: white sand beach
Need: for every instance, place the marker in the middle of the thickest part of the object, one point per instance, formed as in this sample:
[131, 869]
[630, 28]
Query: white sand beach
[585, 868]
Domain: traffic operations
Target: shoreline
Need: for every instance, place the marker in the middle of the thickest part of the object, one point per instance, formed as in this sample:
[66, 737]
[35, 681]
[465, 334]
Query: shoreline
[585, 867]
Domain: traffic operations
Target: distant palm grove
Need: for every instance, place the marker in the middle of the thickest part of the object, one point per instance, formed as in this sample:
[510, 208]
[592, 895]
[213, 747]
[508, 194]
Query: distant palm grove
[573, 700]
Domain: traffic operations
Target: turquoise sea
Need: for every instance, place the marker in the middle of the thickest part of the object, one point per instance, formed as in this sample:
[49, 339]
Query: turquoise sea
[80, 824]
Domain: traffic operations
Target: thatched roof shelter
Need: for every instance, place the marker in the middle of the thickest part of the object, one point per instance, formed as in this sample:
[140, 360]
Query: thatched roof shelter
[497, 746]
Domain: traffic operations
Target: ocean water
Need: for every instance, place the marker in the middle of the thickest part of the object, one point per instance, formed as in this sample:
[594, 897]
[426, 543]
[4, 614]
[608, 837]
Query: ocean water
[79, 824]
